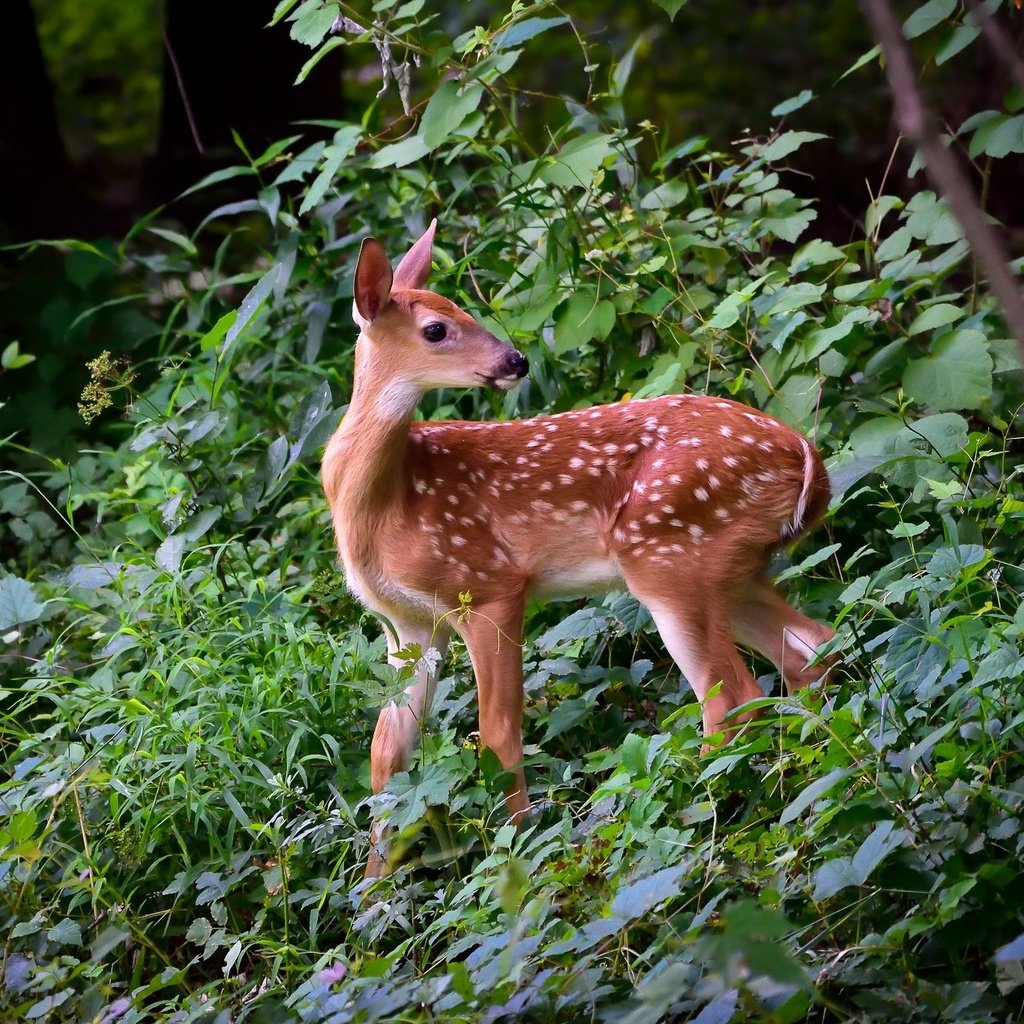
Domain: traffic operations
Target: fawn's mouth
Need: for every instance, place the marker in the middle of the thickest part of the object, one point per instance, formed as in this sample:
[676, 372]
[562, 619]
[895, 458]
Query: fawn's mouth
[514, 368]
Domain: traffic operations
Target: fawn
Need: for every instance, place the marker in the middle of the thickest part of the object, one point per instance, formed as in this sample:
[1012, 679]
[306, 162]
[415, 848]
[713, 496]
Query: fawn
[681, 499]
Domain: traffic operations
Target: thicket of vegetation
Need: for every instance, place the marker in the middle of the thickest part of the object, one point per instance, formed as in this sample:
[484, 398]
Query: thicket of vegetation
[189, 691]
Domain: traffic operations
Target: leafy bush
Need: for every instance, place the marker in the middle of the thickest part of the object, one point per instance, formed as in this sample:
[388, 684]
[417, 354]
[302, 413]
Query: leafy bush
[190, 693]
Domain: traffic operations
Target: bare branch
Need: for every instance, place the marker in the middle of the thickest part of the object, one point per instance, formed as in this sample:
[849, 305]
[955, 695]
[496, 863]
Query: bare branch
[950, 181]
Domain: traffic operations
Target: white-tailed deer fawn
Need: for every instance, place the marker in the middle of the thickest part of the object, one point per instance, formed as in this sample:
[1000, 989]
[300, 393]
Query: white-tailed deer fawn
[681, 499]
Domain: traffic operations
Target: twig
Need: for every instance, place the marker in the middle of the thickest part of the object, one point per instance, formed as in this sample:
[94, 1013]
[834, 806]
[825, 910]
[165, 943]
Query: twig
[177, 77]
[946, 175]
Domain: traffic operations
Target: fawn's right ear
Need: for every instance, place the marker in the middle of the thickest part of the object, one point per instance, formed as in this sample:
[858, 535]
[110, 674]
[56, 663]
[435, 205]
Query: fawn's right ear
[372, 287]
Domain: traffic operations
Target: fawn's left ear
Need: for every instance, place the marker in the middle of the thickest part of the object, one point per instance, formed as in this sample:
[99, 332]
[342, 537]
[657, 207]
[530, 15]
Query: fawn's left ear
[372, 287]
[413, 269]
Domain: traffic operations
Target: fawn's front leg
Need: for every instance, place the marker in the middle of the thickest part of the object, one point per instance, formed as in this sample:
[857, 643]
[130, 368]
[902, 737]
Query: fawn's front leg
[398, 725]
[765, 622]
[494, 637]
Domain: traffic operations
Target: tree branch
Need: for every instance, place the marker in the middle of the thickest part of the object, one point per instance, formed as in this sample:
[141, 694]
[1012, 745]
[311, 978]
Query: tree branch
[946, 174]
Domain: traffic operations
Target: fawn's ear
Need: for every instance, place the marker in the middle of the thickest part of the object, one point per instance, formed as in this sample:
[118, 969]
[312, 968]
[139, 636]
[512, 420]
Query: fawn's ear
[372, 287]
[414, 267]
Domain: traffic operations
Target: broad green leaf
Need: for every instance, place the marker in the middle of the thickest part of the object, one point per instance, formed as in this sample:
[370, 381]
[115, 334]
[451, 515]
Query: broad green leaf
[801, 99]
[66, 932]
[313, 24]
[786, 143]
[814, 254]
[927, 16]
[960, 38]
[18, 604]
[585, 317]
[212, 337]
[447, 109]
[400, 154]
[639, 898]
[578, 160]
[939, 315]
[842, 872]
[931, 220]
[517, 34]
[957, 374]
[999, 137]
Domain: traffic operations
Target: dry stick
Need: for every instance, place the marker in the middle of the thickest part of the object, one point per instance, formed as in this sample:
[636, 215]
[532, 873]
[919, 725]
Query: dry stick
[915, 122]
[193, 127]
[998, 40]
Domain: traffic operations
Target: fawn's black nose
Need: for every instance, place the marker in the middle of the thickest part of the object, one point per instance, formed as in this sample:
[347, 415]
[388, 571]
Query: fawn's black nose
[515, 364]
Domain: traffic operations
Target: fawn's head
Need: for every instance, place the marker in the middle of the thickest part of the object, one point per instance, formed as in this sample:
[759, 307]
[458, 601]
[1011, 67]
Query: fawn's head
[416, 340]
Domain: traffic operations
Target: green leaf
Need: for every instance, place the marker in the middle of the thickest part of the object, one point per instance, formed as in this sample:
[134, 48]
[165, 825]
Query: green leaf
[670, 7]
[250, 306]
[813, 792]
[219, 329]
[400, 154]
[448, 108]
[578, 160]
[957, 374]
[66, 932]
[224, 174]
[960, 38]
[13, 358]
[633, 755]
[999, 136]
[801, 99]
[814, 254]
[639, 898]
[843, 872]
[18, 604]
[927, 16]
[341, 148]
[313, 23]
[584, 318]
[939, 315]
[786, 143]
[517, 34]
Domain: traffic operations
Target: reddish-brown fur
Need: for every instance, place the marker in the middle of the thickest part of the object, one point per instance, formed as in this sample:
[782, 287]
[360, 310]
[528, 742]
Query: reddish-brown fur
[681, 499]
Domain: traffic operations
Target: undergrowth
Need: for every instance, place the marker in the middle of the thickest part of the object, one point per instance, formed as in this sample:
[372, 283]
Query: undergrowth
[189, 692]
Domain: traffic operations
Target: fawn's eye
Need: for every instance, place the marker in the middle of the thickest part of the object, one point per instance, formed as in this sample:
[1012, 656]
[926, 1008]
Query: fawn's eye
[435, 332]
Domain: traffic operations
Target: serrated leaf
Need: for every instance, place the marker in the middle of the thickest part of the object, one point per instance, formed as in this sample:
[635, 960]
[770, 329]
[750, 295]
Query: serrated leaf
[18, 604]
[67, 932]
[957, 374]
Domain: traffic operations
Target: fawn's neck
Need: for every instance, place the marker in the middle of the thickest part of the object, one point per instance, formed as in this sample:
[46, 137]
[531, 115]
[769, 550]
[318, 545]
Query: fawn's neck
[364, 468]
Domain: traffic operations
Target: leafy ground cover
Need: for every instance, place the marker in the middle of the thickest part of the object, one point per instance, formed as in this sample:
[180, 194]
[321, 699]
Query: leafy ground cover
[189, 692]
